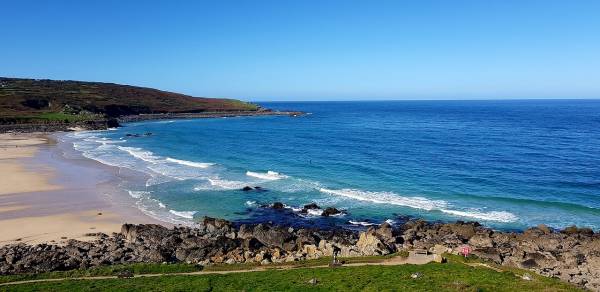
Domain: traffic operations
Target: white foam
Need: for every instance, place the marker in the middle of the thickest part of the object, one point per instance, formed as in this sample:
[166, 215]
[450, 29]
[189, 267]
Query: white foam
[387, 198]
[501, 216]
[140, 153]
[222, 184]
[190, 163]
[250, 203]
[314, 212]
[390, 221]
[137, 194]
[420, 203]
[183, 214]
[269, 175]
[361, 223]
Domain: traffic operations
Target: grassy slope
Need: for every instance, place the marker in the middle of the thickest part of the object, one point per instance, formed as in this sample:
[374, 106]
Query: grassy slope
[452, 276]
[33, 99]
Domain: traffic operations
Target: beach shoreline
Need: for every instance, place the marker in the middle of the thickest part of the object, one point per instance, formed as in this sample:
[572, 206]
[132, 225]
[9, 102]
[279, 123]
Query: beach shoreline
[46, 197]
[67, 196]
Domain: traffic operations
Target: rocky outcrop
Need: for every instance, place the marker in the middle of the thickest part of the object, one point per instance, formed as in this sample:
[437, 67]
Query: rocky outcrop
[572, 254]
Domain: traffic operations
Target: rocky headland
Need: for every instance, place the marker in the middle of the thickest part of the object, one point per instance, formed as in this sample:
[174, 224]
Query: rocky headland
[572, 254]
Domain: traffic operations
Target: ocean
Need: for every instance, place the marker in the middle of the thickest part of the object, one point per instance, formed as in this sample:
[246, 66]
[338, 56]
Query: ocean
[506, 164]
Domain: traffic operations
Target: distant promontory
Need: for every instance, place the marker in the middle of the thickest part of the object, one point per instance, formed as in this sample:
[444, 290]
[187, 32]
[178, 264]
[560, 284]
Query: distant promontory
[52, 105]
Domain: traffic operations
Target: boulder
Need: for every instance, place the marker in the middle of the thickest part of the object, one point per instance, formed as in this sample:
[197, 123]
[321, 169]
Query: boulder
[272, 236]
[330, 211]
[311, 206]
[481, 241]
[369, 244]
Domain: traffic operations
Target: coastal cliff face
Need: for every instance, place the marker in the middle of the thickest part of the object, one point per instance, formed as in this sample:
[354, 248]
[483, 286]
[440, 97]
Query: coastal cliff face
[572, 254]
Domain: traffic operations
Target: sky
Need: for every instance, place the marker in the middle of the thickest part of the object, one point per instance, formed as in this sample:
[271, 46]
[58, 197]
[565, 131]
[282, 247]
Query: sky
[312, 50]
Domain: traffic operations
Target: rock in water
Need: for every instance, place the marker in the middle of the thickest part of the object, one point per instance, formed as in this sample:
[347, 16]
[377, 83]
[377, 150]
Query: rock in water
[330, 211]
[247, 189]
[260, 189]
[311, 206]
[278, 206]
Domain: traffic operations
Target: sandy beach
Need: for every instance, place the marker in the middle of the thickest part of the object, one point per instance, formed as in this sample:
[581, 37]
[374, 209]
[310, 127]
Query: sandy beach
[46, 198]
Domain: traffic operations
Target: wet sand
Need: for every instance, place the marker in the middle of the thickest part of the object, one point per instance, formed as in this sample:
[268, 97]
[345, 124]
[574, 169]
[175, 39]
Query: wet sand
[45, 197]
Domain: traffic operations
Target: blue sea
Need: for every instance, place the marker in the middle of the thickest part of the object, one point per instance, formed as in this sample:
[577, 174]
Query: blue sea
[507, 164]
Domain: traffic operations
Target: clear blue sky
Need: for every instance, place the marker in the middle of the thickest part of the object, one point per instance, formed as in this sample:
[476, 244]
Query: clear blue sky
[312, 50]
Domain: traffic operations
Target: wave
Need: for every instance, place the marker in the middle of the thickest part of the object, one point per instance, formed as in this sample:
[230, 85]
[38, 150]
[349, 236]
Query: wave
[269, 175]
[140, 153]
[501, 216]
[183, 214]
[387, 198]
[420, 203]
[190, 163]
[361, 223]
[137, 194]
[221, 184]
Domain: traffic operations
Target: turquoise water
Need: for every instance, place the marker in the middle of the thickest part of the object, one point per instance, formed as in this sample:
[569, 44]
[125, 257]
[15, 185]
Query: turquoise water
[506, 164]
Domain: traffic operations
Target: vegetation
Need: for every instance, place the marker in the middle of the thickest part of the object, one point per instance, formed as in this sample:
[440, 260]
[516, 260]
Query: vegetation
[136, 269]
[32, 100]
[456, 275]
[433, 277]
[150, 268]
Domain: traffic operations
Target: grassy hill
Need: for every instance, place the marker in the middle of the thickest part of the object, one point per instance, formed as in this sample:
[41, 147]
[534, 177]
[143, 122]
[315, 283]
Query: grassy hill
[33, 100]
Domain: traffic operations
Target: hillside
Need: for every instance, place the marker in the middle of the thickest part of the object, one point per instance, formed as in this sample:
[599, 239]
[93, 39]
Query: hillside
[34, 101]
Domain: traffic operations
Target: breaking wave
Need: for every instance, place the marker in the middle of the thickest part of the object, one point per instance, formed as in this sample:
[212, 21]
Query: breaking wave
[222, 184]
[269, 175]
[140, 153]
[361, 223]
[190, 163]
[183, 214]
[387, 198]
[500, 216]
[420, 203]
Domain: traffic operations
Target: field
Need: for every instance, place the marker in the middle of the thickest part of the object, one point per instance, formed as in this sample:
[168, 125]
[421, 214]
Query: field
[456, 275]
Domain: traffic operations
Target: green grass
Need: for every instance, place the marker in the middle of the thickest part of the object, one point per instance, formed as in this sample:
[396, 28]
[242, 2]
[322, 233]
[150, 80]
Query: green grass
[137, 269]
[455, 275]
[452, 276]
[150, 268]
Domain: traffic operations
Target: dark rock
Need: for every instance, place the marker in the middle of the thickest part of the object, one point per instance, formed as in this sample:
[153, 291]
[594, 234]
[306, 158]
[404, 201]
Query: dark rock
[529, 263]
[311, 206]
[330, 211]
[572, 254]
[278, 206]
[272, 236]
[247, 189]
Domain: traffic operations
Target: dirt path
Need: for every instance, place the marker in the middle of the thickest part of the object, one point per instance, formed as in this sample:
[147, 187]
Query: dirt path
[414, 259]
